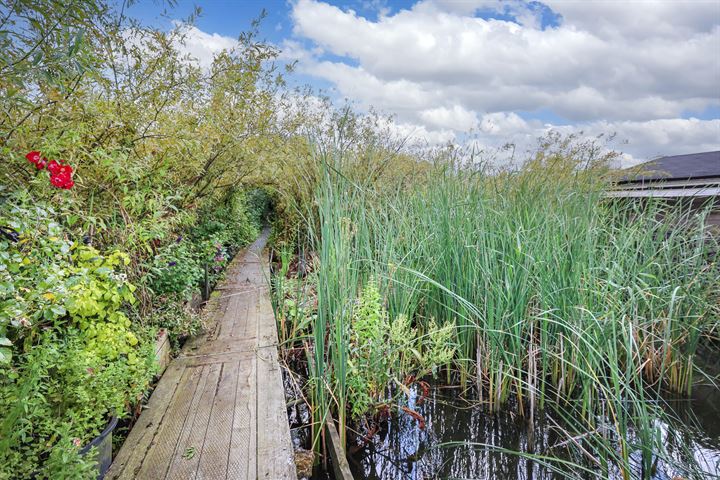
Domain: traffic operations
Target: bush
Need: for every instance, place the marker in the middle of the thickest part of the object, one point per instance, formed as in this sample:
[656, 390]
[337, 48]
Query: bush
[176, 270]
[71, 358]
[61, 396]
[383, 350]
[49, 282]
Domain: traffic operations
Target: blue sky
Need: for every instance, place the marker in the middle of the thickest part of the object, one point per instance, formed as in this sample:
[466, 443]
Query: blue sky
[505, 70]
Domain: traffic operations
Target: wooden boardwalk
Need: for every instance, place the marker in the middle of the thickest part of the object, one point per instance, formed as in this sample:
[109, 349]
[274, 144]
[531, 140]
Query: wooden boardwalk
[219, 410]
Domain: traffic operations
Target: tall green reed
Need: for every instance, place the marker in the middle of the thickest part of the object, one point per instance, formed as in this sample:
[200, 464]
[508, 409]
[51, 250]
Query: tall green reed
[560, 296]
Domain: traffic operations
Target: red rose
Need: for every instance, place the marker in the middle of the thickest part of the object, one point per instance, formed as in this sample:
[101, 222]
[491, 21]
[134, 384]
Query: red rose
[53, 167]
[33, 157]
[64, 169]
[60, 180]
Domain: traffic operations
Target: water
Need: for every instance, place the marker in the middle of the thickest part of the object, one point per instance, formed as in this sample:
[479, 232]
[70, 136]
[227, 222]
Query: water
[463, 441]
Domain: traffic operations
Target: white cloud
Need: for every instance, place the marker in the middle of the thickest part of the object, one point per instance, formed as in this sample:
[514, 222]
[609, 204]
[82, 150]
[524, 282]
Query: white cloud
[631, 67]
[455, 118]
[201, 46]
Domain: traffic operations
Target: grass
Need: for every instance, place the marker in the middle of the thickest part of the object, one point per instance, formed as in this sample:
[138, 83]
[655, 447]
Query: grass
[561, 298]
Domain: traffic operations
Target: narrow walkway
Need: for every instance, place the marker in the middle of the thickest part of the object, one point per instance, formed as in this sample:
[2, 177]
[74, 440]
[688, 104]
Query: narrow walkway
[219, 410]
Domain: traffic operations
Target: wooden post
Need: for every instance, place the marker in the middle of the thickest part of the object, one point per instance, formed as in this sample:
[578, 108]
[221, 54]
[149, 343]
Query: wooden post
[341, 468]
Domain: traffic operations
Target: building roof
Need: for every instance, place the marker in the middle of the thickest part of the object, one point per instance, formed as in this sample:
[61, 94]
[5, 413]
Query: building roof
[693, 166]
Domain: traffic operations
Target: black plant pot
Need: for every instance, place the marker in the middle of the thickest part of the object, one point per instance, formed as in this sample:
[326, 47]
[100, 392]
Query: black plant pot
[103, 442]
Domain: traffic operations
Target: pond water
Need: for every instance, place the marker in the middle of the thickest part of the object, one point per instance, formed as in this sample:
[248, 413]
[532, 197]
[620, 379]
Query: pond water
[463, 441]
[452, 444]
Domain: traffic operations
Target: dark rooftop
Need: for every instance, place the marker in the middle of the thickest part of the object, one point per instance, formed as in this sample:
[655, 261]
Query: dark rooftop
[677, 167]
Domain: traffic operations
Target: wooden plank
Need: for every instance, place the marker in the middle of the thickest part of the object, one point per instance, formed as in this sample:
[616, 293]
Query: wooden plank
[275, 457]
[225, 323]
[266, 325]
[341, 468]
[244, 322]
[161, 449]
[138, 441]
[224, 346]
[162, 350]
[242, 455]
[216, 445]
[187, 452]
[209, 359]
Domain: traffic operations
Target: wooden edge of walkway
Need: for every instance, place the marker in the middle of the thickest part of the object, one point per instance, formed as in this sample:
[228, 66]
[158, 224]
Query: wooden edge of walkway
[219, 410]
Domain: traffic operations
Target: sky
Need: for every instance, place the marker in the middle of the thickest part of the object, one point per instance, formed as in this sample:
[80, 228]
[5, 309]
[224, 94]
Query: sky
[493, 72]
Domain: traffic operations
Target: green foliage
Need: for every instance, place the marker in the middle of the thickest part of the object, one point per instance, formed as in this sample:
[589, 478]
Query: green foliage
[178, 319]
[176, 270]
[558, 297]
[179, 267]
[72, 357]
[65, 389]
[382, 351]
[49, 281]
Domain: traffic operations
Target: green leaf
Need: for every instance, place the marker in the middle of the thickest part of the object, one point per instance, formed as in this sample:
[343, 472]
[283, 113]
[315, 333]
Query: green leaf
[5, 355]
[75, 46]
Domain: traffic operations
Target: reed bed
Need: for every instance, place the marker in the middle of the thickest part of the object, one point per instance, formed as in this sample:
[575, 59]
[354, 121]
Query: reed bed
[561, 298]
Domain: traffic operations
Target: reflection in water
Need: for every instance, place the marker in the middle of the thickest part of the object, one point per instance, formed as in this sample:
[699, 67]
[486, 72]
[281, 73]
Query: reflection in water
[404, 451]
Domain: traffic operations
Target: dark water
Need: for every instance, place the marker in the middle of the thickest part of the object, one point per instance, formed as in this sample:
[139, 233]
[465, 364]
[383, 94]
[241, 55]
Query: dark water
[405, 451]
[461, 440]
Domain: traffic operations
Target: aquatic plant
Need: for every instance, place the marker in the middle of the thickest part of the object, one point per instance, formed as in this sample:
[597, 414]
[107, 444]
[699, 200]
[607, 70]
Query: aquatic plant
[561, 298]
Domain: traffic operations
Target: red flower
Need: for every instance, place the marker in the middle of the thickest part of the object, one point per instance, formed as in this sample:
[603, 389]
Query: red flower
[53, 167]
[64, 169]
[62, 180]
[60, 172]
[33, 157]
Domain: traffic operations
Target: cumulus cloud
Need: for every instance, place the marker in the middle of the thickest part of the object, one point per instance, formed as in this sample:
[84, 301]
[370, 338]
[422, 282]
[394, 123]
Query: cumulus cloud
[201, 47]
[636, 68]
[455, 118]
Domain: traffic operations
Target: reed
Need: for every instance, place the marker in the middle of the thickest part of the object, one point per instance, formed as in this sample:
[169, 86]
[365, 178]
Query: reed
[560, 297]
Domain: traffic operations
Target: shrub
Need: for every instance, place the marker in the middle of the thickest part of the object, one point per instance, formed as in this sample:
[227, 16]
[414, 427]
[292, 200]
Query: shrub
[71, 357]
[382, 351]
[48, 281]
[60, 397]
[176, 270]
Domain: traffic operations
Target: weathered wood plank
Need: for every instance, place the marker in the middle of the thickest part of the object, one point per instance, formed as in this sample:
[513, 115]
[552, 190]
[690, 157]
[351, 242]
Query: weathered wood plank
[243, 443]
[160, 451]
[186, 457]
[341, 467]
[244, 323]
[224, 346]
[275, 458]
[216, 445]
